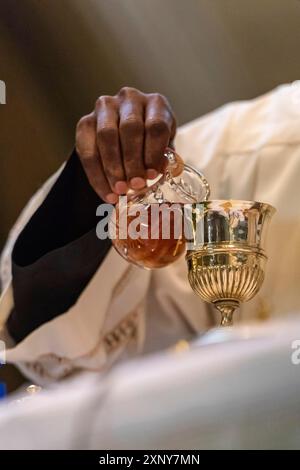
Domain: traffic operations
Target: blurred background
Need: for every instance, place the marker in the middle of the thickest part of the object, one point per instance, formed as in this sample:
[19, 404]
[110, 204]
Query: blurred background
[58, 56]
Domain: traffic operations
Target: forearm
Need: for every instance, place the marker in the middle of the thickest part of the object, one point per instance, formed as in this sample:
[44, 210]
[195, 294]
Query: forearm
[57, 252]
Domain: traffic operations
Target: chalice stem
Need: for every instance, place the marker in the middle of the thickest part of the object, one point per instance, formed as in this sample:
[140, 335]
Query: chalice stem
[226, 308]
[226, 319]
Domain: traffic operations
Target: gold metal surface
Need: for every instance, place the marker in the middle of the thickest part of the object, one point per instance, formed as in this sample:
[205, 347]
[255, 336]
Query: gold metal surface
[226, 258]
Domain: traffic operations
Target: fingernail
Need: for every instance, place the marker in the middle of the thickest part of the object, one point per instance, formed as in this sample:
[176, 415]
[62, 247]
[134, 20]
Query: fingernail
[112, 198]
[137, 182]
[152, 174]
[121, 187]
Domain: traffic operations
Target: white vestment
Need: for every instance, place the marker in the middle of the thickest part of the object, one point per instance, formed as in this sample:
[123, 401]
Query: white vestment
[247, 150]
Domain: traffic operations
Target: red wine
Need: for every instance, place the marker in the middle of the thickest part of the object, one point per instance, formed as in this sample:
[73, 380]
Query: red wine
[154, 241]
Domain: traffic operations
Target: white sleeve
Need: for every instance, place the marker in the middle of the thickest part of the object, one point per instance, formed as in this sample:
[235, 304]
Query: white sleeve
[105, 322]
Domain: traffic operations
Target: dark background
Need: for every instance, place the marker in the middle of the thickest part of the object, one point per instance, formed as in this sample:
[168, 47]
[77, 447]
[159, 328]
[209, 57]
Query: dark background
[57, 56]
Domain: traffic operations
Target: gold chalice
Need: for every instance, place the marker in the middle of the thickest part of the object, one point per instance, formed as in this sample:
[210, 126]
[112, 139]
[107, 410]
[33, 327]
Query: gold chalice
[225, 251]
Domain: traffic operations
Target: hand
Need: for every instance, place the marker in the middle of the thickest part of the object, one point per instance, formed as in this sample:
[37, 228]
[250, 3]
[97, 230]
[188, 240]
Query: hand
[121, 143]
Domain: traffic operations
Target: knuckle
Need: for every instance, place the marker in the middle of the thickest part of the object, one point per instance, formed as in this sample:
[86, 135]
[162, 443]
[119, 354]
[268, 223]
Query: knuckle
[159, 97]
[127, 91]
[104, 100]
[86, 156]
[132, 126]
[107, 133]
[86, 122]
[157, 127]
[133, 164]
[114, 173]
[161, 102]
[112, 167]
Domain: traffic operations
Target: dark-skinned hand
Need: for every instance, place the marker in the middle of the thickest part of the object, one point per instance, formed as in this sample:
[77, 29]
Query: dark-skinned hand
[122, 142]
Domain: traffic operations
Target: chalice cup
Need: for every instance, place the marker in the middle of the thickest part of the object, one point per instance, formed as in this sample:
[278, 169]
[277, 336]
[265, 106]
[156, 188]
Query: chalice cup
[226, 251]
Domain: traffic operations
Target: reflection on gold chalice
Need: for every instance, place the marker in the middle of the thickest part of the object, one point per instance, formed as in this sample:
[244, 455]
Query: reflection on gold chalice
[225, 251]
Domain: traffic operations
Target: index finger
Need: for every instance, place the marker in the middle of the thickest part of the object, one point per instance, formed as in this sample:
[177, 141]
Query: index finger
[160, 129]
